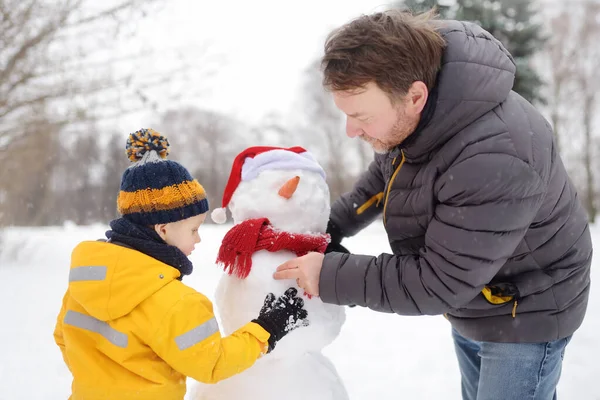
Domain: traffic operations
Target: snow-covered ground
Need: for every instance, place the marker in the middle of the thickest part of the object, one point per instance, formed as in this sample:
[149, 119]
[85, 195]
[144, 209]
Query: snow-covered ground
[379, 356]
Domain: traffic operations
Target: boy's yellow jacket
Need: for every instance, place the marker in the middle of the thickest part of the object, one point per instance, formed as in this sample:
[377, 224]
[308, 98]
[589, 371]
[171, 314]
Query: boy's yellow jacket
[128, 329]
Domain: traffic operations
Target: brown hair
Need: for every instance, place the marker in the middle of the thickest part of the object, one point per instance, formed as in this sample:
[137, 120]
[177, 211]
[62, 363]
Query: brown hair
[393, 48]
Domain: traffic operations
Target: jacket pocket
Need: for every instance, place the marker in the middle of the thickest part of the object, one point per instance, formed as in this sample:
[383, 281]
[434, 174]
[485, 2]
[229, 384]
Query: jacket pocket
[502, 293]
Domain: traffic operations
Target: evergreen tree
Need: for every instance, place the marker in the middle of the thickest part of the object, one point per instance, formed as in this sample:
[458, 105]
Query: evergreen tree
[418, 6]
[510, 21]
[513, 23]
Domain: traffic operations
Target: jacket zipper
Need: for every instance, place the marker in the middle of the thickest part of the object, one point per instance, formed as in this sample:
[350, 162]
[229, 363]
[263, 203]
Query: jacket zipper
[387, 194]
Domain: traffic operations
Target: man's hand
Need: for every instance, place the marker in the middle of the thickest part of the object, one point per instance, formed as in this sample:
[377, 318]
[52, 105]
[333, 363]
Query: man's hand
[306, 270]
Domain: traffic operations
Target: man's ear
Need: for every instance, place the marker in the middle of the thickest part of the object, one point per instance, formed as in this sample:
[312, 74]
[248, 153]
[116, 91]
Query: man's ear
[417, 97]
[161, 229]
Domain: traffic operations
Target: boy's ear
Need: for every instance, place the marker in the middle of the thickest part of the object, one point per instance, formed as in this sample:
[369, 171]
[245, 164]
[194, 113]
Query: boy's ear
[161, 229]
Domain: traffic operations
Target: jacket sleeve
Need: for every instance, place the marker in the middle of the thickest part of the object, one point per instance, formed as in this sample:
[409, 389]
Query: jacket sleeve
[58, 329]
[485, 205]
[356, 209]
[189, 340]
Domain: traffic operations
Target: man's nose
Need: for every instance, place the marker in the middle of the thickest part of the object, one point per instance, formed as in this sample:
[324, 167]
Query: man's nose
[352, 130]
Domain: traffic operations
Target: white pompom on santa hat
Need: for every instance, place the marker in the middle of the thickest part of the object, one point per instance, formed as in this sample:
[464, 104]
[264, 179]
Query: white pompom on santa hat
[251, 162]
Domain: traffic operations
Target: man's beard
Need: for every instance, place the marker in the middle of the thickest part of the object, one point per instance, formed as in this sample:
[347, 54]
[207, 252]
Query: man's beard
[402, 129]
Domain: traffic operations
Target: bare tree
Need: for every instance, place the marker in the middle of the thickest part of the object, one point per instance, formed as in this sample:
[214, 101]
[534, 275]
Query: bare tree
[560, 49]
[365, 152]
[573, 60]
[115, 162]
[26, 176]
[324, 132]
[45, 50]
[44, 46]
[586, 72]
[273, 131]
[78, 179]
[58, 76]
[206, 143]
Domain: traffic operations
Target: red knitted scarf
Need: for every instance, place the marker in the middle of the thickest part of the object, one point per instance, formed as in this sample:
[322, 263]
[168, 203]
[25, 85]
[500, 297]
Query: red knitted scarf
[252, 235]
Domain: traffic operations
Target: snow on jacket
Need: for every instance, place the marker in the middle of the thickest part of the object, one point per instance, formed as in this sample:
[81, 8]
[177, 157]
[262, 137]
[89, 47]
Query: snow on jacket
[128, 329]
[484, 223]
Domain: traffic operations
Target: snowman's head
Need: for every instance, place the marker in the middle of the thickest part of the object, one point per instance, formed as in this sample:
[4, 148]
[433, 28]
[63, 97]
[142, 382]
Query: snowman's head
[287, 186]
[293, 200]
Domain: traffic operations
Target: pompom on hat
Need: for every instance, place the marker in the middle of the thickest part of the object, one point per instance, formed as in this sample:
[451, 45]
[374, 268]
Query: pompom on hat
[251, 162]
[155, 190]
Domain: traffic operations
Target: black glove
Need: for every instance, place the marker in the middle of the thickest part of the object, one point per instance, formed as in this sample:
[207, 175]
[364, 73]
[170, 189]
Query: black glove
[505, 289]
[336, 239]
[282, 315]
[337, 248]
[335, 244]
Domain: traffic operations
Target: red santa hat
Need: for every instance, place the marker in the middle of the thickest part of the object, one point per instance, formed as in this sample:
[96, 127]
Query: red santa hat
[251, 162]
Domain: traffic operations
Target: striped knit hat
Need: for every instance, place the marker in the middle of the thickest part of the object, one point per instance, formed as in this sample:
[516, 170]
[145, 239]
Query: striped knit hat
[155, 190]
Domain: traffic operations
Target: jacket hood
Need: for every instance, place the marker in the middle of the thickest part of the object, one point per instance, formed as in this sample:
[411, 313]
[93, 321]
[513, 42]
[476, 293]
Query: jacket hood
[477, 74]
[109, 280]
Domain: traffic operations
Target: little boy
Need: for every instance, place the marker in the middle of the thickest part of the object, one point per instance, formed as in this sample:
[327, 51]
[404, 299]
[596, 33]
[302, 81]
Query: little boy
[128, 327]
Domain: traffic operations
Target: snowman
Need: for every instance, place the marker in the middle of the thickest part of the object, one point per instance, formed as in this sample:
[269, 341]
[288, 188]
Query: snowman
[279, 201]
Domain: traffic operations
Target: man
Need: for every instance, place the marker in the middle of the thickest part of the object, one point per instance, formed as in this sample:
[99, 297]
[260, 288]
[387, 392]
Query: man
[483, 221]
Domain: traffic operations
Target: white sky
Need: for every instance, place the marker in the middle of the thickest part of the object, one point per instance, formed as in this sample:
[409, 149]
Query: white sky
[266, 45]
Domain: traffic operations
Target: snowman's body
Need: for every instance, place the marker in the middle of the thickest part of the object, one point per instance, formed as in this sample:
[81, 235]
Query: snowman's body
[296, 368]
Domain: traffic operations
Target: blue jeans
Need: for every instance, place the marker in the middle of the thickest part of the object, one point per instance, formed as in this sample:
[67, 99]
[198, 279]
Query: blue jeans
[509, 371]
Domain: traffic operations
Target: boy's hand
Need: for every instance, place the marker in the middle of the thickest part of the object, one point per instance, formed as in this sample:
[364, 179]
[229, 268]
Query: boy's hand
[281, 316]
[268, 304]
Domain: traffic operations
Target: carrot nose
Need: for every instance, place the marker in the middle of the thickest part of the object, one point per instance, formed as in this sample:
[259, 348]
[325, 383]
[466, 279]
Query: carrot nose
[288, 188]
